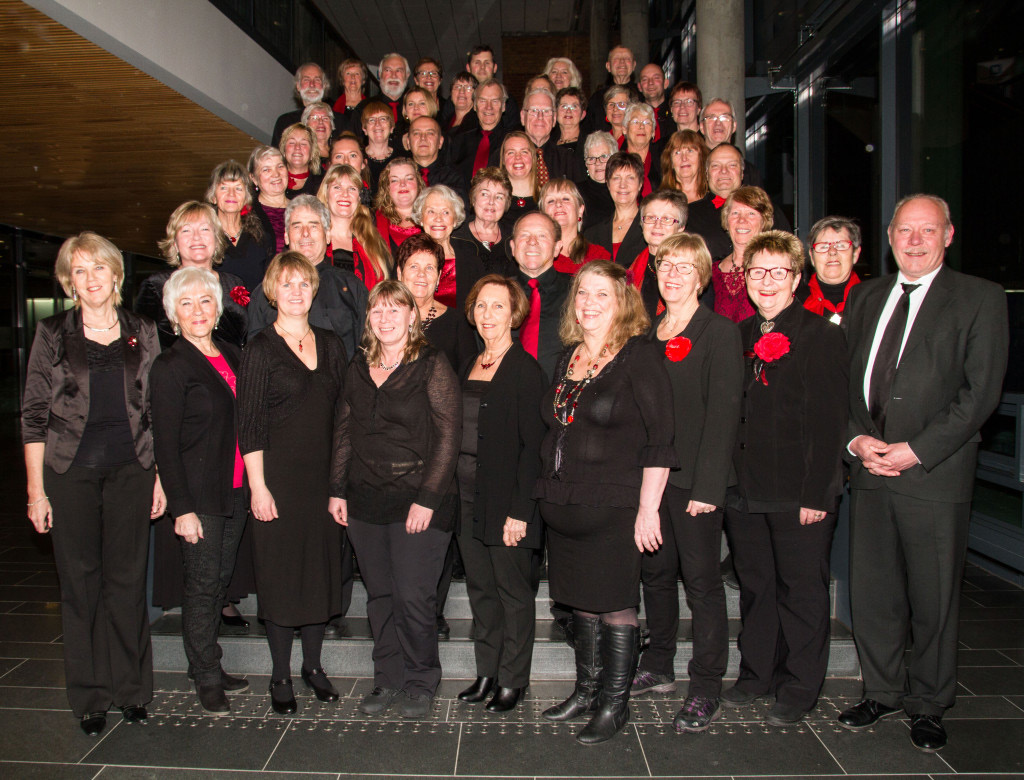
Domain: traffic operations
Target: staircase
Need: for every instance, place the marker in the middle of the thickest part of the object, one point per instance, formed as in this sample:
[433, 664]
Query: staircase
[552, 658]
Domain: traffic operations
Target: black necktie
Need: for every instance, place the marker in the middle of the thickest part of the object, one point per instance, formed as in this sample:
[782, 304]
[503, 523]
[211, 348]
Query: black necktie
[887, 358]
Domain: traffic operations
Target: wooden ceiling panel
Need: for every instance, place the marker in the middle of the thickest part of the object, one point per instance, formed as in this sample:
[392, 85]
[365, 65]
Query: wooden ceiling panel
[93, 143]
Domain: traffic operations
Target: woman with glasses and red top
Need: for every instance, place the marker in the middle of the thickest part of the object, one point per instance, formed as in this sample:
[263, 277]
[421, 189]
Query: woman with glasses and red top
[835, 249]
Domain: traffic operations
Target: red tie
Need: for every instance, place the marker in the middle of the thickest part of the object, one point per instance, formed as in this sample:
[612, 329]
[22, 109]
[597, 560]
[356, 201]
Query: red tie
[529, 335]
[425, 174]
[542, 169]
[483, 152]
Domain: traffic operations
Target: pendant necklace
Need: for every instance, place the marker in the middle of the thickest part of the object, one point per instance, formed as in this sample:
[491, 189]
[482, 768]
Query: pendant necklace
[282, 327]
[496, 357]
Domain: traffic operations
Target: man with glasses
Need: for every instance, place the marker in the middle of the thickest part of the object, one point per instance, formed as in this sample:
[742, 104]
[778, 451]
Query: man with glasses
[538, 118]
[311, 84]
[718, 125]
[479, 146]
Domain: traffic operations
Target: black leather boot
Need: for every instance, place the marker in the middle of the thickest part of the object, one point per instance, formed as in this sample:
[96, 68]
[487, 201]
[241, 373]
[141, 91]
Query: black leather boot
[587, 644]
[619, 655]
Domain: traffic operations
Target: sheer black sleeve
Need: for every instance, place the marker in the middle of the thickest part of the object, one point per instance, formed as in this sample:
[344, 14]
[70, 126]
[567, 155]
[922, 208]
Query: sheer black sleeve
[652, 392]
[253, 403]
[445, 399]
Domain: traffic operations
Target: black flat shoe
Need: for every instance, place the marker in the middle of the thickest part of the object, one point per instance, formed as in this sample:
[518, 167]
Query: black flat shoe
[864, 713]
[479, 690]
[444, 631]
[927, 733]
[232, 684]
[234, 621]
[212, 699]
[317, 680]
[134, 713]
[94, 723]
[505, 699]
[282, 697]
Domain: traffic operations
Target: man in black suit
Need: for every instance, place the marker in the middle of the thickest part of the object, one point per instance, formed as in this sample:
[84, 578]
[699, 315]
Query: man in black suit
[424, 142]
[538, 117]
[928, 350]
[481, 63]
[311, 83]
[479, 146]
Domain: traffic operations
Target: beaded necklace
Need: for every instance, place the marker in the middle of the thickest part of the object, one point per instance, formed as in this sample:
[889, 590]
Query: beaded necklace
[567, 393]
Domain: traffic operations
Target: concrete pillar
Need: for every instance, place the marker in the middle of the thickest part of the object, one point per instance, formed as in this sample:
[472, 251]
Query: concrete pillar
[599, 42]
[634, 15]
[720, 56]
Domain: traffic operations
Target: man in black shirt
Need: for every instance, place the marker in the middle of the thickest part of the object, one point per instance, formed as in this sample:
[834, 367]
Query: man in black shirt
[535, 243]
[424, 141]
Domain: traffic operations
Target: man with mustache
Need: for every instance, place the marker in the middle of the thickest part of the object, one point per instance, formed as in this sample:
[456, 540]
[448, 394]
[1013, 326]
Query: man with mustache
[311, 84]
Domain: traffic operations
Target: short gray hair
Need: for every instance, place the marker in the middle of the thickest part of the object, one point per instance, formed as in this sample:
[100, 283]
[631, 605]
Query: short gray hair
[943, 206]
[308, 202]
[491, 83]
[183, 281]
[390, 55]
[837, 224]
[541, 91]
[323, 75]
[600, 137]
[312, 107]
[454, 201]
[717, 100]
[639, 108]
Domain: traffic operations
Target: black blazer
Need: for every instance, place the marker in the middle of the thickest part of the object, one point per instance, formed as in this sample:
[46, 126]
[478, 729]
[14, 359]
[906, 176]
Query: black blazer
[468, 269]
[56, 405]
[791, 431]
[465, 143]
[234, 322]
[194, 429]
[632, 243]
[510, 430]
[948, 382]
[706, 390]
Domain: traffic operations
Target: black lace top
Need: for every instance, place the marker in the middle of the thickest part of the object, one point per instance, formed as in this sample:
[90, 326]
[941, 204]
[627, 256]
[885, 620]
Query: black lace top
[107, 440]
[397, 444]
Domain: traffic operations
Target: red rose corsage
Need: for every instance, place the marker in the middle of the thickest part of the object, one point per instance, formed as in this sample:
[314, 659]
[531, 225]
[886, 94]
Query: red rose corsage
[133, 342]
[678, 348]
[768, 349]
[240, 295]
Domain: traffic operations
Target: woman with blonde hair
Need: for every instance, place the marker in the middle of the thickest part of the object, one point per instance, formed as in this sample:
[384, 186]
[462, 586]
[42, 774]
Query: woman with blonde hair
[400, 185]
[249, 246]
[354, 243]
[563, 73]
[605, 463]
[302, 156]
[393, 486]
[561, 200]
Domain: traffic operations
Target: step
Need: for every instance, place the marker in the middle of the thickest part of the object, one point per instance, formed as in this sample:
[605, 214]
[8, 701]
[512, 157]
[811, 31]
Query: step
[350, 656]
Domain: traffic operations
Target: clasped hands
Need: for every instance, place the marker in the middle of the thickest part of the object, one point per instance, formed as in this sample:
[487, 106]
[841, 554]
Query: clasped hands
[881, 459]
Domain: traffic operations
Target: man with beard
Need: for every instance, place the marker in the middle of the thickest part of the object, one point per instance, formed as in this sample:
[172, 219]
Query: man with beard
[311, 83]
[393, 76]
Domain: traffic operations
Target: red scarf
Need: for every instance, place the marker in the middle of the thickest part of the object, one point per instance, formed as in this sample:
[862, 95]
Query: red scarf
[819, 304]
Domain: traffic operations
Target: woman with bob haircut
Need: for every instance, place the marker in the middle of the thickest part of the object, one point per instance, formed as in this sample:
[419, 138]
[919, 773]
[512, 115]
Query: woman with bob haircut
[641, 125]
[605, 462]
[289, 396]
[563, 73]
[193, 387]
[490, 196]
[269, 176]
[302, 157]
[746, 213]
[438, 210]
[498, 466]
[354, 243]
[393, 485]
[92, 480]
[195, 239]
[400, 185]
[377, 123]
[249, 246]
[683, 165]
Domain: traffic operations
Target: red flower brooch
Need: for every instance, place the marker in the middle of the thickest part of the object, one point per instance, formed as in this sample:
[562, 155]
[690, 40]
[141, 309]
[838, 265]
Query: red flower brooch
[678, 348]
[133, 342]
[768, 349]
[240, 295]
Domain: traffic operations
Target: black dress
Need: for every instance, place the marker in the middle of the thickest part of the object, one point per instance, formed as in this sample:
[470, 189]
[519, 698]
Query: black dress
[450, 333]
[288, 412]
[591, 474]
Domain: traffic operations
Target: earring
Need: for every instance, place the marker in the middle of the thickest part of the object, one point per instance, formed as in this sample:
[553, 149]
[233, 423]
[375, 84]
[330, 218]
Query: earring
[177, 329]
[74, 294]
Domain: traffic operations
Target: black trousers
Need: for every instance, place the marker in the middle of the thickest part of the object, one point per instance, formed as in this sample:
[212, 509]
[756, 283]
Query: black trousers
[499, 582]
[400, 571]
[784, 577]
[693, 544]
[907, 560]
[208, 565]
[101, 547]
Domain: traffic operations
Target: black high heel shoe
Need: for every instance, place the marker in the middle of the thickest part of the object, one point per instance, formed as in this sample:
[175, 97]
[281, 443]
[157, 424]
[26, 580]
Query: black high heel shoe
[322, 687]
[234, 621]
[505, 699]
[282, 697]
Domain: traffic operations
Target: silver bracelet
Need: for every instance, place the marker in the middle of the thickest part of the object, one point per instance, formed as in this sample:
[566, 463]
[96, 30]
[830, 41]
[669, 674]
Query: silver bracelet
[39, 501]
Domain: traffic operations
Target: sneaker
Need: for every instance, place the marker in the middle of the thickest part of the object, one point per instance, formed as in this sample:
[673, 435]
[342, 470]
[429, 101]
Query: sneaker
[416, 705]
[646, 682]
[697, 714]
[378, 700]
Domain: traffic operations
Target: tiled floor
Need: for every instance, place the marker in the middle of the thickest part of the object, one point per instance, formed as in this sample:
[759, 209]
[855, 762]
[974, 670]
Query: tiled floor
[39, 738]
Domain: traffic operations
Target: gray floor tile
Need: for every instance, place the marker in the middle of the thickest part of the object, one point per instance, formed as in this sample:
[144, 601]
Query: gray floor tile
[30, 628]
[29, 593]
[736, 749]
[1001, 598]
[46, 578]
[10, 770]
[150, 773]
[883, 747]
[6, 664]
[548, 749]
[985, 745]
[43, 554]
[993, 680]
[369, 747]
[1016, 654]
[983, 707]
[35, 673]
[983, 658]
[21, 698]
[22, 649]
[978, 634]
[972, 614]
[182, 741]
[28, 735]
[37, 608]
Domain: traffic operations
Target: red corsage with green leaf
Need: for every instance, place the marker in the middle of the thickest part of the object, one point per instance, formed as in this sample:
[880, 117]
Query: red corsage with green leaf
[770, 348]
[240, 295]
[678, 348]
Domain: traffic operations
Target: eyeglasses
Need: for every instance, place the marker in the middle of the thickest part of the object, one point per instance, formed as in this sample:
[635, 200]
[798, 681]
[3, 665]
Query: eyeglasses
[462, 87]
[824, 247]
[427, 73]
[650, 219]
[683, 103]
[568, 108]
[622, 105]
[640, 123]
[596, 160]
[778, 273]
[539, 113]
[318, 118]
[718, 118]
[376, 120]
[683, 269]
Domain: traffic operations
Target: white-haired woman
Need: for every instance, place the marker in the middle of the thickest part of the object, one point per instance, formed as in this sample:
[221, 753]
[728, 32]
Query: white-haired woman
[438, 210]
[563, 73]
[193, 387]
[319, 118]
[641, 126]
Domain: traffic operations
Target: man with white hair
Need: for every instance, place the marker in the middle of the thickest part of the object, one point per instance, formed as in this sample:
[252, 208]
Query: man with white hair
[538, 118]
[311, 84]
[393, 77]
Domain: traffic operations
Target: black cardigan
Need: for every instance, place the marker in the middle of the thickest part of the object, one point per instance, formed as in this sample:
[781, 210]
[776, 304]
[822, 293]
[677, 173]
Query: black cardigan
[194, 428]
[792, 430]
[510, 430]
[632, 243]
[706, 387]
